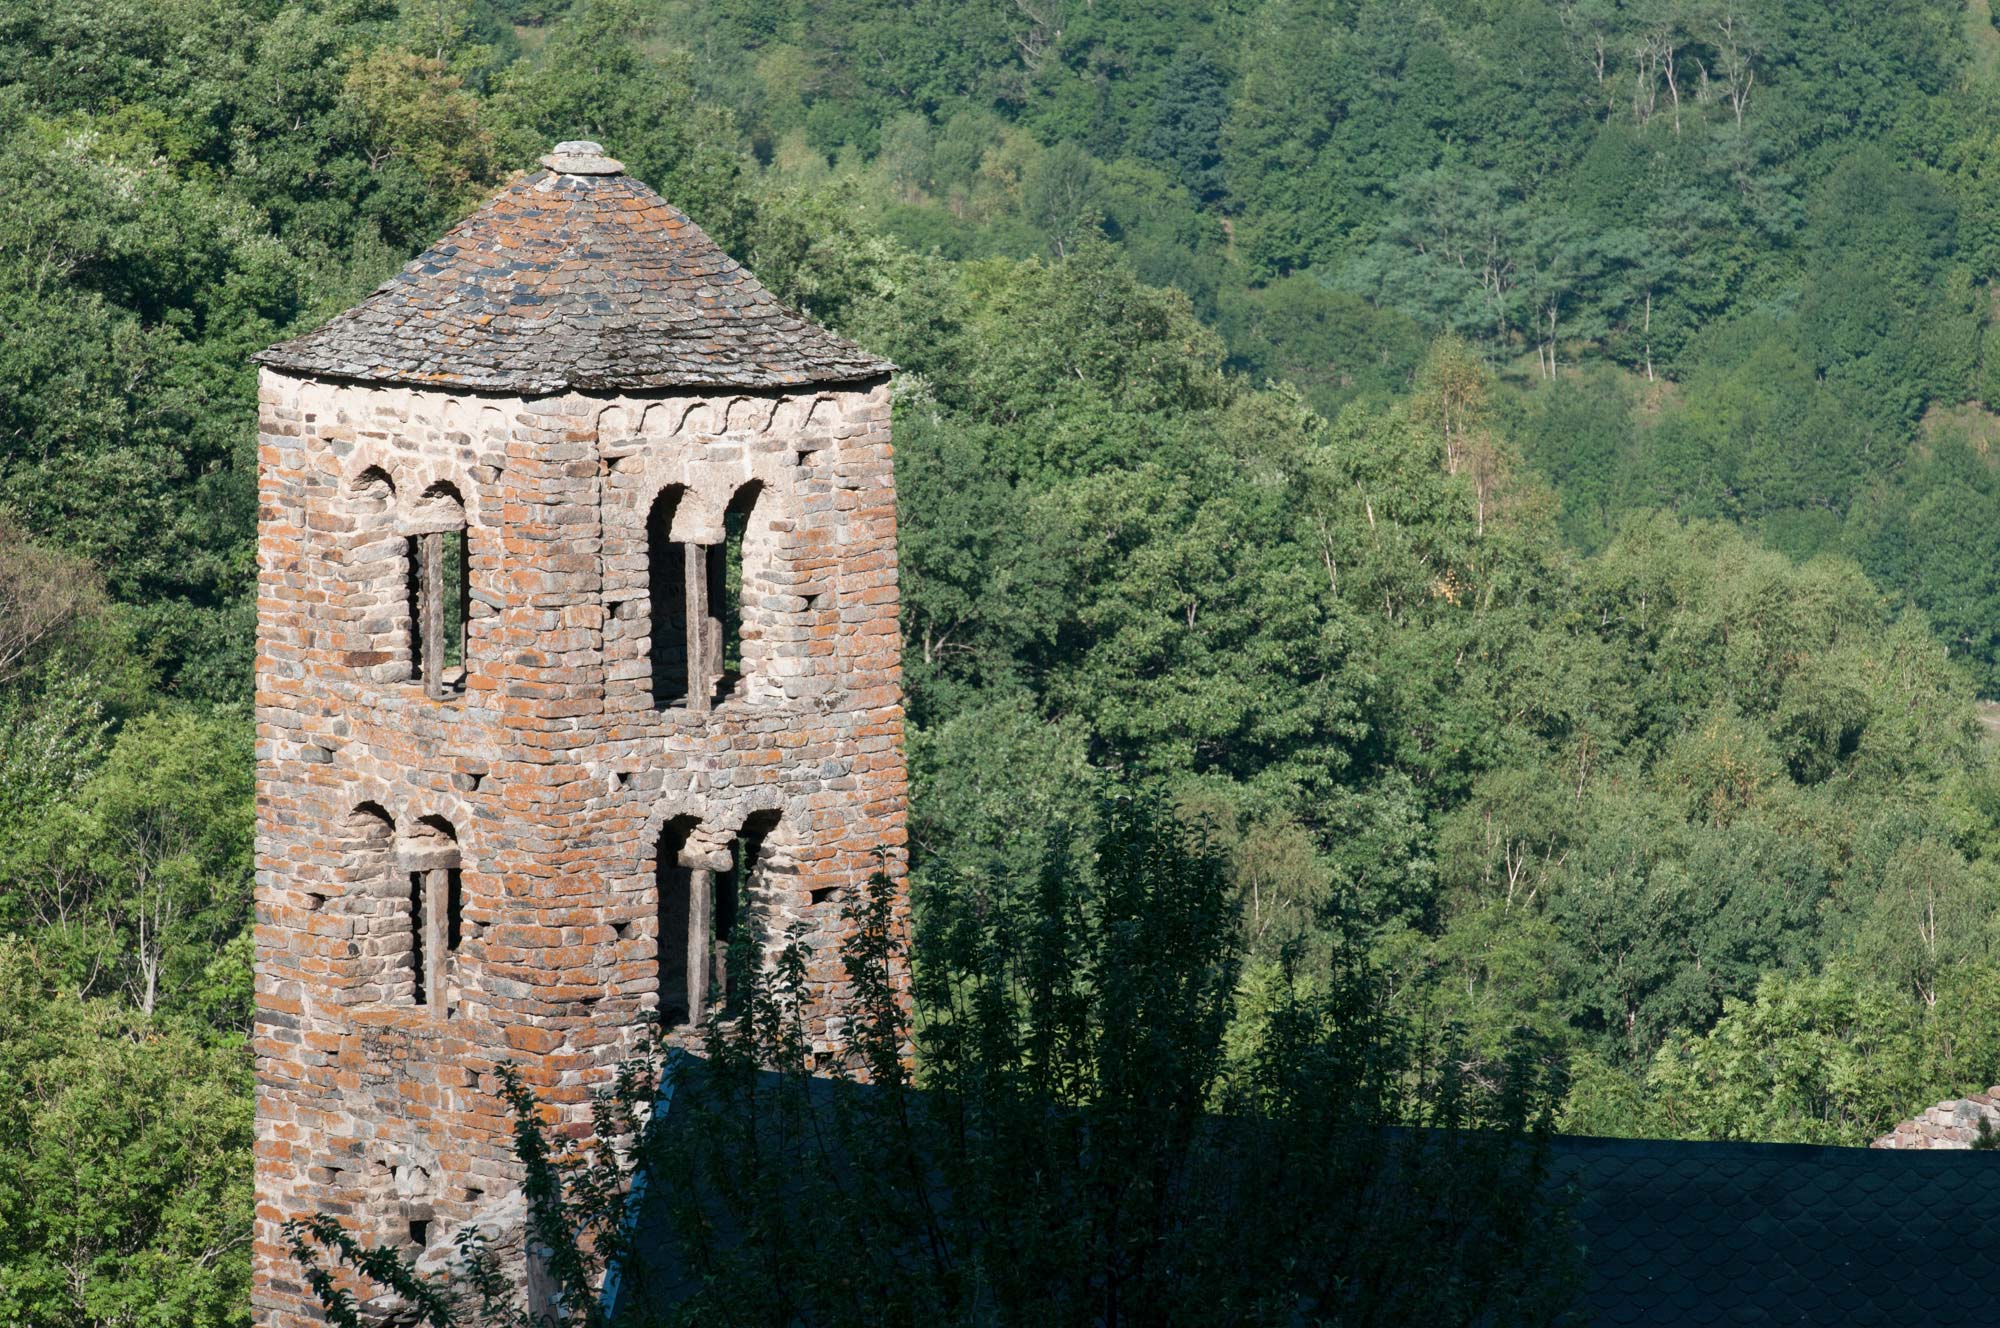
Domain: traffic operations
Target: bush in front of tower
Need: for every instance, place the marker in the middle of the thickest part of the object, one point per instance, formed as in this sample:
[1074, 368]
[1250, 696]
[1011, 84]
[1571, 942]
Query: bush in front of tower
[1097, 1129]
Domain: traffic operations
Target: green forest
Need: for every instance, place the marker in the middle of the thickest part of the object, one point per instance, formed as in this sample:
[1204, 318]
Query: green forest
[1513, 477]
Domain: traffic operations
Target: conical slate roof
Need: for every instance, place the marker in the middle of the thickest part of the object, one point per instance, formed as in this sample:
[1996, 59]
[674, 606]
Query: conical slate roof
[577, 276]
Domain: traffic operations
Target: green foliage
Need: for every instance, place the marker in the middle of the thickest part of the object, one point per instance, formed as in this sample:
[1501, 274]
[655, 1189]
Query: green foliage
[1540, 705]
[1057, 1160]
[133, 878]
[1826, 1059]
[124, 1163]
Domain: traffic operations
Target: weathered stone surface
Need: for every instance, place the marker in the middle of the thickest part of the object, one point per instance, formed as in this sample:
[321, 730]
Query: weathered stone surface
[572, 278]
[540, 789]
[1958, 1124]
[582, 157]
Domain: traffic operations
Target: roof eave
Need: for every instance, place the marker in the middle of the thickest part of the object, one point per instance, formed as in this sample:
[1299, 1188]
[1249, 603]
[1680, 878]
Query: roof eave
[586, 383]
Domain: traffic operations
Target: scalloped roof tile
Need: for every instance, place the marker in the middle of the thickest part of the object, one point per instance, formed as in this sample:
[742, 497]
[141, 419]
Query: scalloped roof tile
[574, 277]
[1675, 1233]
[1681, 1233]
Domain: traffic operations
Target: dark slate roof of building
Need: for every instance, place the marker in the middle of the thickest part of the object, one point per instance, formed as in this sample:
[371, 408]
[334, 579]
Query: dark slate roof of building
[577, 276]
[1703, 1233]
[1685, 1234]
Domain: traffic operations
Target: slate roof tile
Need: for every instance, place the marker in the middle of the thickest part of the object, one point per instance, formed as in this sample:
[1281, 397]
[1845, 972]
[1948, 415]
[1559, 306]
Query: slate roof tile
[579, 278]
[1684, 1233]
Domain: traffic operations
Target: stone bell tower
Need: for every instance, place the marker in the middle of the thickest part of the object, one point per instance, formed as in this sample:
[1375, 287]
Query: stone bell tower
[576, 653]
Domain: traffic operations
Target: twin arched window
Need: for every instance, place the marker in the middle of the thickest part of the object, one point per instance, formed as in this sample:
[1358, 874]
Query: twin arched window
[409, 911]
[699, 909]
[696, 591]
[433, 594]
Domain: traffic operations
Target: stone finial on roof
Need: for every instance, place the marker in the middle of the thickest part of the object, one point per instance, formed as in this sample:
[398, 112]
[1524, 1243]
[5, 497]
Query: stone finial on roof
[580, 156]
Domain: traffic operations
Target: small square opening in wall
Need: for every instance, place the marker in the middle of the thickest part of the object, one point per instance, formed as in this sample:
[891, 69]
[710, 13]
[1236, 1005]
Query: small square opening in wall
[420, 1232]
[823, 894]
[621, 928]
[473, 1194]
[315, 901]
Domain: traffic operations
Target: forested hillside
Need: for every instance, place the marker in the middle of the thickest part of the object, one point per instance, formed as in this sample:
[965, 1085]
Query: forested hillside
[1511, 473]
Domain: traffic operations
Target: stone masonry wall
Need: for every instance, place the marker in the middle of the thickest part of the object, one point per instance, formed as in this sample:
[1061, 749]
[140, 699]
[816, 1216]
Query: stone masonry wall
[546, 783]
[1962, 1123]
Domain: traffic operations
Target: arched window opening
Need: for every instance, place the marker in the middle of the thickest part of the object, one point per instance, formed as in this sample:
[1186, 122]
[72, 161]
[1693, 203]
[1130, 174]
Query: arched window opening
[440, 591]
[733, 905]
[679, 939]
[373, 489]
[367, 876]
[435, 915]
[727, 573]
[667, 582]
[699, 594]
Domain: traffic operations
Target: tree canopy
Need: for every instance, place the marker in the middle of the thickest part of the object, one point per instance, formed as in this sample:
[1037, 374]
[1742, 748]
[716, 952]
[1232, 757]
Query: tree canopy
[1512, 479]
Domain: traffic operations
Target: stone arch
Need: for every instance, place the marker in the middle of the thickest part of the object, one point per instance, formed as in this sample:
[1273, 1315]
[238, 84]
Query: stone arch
[663, 419]
[368, 817]
[618, 423]
[371, 488]
[432, 820]
[369, 624]
[438, 584]
[700, 418]
[790, 414]
[364, 886]
[430, 833]
[676, 807]
[433, 913]
[750, 414]
[727, 819]
[439, 505]
[316, 399]
[492, 423]
[435, 494]
[699, 520]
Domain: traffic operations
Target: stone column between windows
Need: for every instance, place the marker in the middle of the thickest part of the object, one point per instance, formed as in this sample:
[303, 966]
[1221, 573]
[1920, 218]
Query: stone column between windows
[430, 604]
[701, 683]
[431, 922]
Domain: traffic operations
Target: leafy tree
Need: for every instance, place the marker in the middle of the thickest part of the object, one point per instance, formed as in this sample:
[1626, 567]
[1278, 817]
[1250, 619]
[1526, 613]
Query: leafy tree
[1187, 122]
[1825, 1059]
[124, 1163]
[1056, 1162]
[134, 881]
[594, 80]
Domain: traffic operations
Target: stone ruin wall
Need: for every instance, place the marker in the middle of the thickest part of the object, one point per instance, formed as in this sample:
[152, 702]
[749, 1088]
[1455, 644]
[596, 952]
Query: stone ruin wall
[548, 780]
[1961, 1123]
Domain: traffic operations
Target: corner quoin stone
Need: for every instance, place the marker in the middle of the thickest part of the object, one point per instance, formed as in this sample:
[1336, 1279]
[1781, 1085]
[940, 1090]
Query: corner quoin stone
[539, 378]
